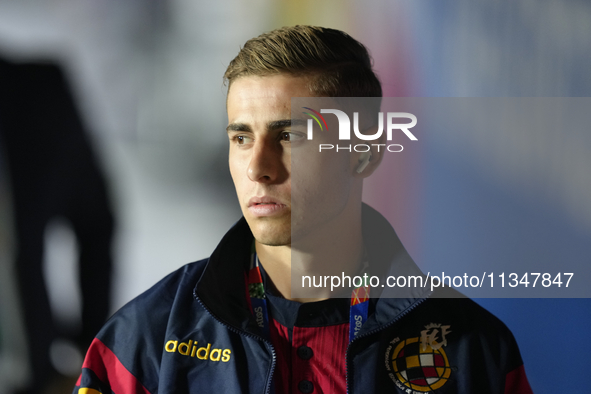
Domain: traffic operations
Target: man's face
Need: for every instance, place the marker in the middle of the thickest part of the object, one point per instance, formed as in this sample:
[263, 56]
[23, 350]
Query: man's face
[265, 147]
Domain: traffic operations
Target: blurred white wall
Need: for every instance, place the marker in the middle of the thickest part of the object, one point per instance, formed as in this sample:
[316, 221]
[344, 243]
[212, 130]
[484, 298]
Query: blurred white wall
[148, 79]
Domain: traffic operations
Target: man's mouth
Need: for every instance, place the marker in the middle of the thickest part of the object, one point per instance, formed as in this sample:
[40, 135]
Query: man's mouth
[265, 206]
[264, 200]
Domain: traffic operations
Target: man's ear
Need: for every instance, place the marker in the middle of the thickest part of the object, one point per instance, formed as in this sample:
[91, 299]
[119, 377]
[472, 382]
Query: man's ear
[365, 163]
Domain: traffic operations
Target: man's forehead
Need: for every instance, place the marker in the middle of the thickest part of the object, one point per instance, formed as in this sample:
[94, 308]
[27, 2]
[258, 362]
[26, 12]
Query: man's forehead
[263, 99]
[258, 113]
[268, 98]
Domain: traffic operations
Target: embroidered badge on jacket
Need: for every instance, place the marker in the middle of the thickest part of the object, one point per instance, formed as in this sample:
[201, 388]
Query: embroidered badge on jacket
[420, 364]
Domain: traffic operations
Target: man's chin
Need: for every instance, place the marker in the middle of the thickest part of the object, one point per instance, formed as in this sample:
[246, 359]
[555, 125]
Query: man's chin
[272, 236]
[273, 239]
[271, 232]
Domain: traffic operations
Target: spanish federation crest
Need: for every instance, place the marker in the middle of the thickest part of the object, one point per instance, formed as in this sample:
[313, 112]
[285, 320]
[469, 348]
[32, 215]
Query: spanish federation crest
[420, 364]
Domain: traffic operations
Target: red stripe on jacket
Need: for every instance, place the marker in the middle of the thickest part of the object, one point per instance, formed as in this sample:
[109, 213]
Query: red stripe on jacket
[107, 367]
[516, 382]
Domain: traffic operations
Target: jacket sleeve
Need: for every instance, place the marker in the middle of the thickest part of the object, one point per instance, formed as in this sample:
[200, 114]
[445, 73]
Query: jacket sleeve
[516, 382]
[125, 357]
[103, 372]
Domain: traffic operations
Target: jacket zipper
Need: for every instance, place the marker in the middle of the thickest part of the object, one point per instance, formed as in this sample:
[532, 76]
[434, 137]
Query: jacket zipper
[249, 335]
[401, 315]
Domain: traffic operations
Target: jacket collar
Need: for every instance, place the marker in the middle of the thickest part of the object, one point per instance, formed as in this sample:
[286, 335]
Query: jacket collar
[222, 291]
[388, 257]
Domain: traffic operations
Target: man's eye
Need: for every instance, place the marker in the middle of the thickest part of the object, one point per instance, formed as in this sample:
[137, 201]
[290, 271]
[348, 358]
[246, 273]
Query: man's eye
[290, 137]
[242, 139]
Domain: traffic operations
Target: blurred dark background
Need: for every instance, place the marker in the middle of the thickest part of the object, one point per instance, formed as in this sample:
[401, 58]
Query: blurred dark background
[144, 79]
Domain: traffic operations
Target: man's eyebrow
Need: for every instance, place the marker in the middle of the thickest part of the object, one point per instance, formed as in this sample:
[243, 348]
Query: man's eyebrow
[278, 124]
[238, 127]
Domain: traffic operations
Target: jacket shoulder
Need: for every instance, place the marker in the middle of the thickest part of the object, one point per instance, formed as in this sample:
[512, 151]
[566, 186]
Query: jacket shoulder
[132, 340]
[150, 310]
[479, 329]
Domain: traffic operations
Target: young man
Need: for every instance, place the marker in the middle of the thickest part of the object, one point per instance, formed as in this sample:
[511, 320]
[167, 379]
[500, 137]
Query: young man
[231, 324]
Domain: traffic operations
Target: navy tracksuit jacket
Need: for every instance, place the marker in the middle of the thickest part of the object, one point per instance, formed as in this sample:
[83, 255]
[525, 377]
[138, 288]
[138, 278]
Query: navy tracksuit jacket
[193, 332]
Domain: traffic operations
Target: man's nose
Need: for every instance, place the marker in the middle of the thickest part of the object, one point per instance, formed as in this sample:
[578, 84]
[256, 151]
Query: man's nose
[265, 163]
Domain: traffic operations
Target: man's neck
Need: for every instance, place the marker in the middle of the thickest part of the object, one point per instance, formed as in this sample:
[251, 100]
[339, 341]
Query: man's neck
[333, 250]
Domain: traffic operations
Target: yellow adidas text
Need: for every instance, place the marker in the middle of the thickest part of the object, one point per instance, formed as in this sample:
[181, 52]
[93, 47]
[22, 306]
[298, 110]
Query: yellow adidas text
[190, 349]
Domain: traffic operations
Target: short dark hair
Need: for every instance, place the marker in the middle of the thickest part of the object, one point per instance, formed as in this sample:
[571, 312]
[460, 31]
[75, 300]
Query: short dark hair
[337, 65]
